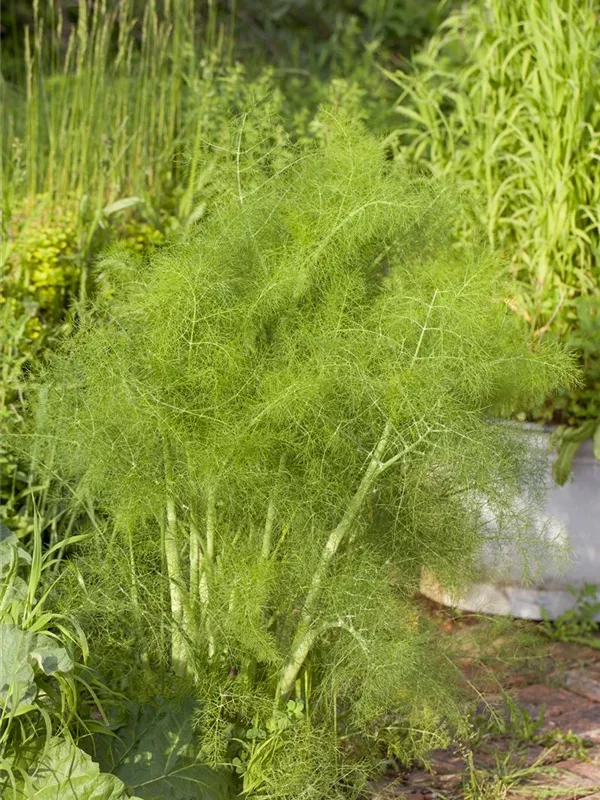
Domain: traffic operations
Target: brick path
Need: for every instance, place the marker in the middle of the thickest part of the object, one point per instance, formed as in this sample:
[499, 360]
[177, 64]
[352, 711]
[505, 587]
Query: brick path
[567, 699]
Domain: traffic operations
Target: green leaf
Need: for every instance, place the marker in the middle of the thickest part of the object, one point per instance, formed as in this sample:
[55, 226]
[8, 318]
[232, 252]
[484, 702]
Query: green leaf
[597, 442]
[5, 532]
[561, 469]
[16, 590]
[49, 656]
[157, 757]
[16, 674]
[569, 440]
[121, 205]
[8, 545]
[20, 652]
[64, 772]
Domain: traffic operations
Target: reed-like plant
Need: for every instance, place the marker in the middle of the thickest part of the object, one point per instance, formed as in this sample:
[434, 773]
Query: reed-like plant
[505, 99]
[102, 117]
[120, 116]
[280, 422]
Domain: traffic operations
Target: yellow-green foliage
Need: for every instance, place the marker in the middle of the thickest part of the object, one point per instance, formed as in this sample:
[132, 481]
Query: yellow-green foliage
[42, 267]
[140, 237]
[280, 421]
[40, 276]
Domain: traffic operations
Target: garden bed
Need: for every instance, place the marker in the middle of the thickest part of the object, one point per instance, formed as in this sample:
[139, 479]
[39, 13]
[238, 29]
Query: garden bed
[535, 724]
[257, 317]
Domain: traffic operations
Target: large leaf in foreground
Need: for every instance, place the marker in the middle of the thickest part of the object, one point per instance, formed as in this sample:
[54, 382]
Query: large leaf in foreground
[65, 772]
[9, 550]
[16, 674]
[157, 757]
[20, 652]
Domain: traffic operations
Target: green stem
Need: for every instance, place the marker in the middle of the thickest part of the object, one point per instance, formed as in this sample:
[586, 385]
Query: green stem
[268, 532]
[178, 647]
[174, 573]
[336, 537]
[211, 513]
[134, 592]
[305, 636]
[195, 565]
[294, 664]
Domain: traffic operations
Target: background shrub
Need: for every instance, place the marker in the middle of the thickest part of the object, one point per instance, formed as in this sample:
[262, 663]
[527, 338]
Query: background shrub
[504, 99]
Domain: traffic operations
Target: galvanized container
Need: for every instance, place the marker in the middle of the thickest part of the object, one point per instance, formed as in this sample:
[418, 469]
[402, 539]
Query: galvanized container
[572, 510]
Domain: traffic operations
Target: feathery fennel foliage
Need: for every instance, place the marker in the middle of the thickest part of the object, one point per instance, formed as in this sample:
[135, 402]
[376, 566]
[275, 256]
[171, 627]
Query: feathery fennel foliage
[281, 421]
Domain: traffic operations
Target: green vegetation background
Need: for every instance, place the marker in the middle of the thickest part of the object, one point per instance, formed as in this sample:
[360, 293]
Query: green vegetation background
[119, 124]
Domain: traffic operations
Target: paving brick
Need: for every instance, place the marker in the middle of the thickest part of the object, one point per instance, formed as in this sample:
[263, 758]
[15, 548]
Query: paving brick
[585, 769]
[584, 682]
[552, 793]
[445, 761]
[447, 767]
[563, 784]
[552, 789]
[556, 701]
[593, 755]
[574, 654]
[568, 780]
[584, 722]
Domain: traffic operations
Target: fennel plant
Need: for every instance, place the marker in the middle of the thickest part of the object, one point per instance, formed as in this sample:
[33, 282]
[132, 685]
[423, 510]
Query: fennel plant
[280, 421]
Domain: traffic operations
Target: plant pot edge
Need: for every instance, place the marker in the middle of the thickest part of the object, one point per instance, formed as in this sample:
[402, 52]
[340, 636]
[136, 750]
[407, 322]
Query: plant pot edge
[513, 598]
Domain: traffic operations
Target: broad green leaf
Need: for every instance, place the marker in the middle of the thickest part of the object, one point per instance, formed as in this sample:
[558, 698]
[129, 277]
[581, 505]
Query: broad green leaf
[20, 652]
[157, 758]
[25, 708]
[16, 674]
[16, 590]
[5, 533]
[50, 657]
[64, 772]
[8, 545]
[564, 461]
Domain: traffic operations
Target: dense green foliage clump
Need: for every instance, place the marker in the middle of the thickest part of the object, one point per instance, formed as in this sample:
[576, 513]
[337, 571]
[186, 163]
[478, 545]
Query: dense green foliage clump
[273, 414]
[280, 421]
[115, 118]
[505, 98]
